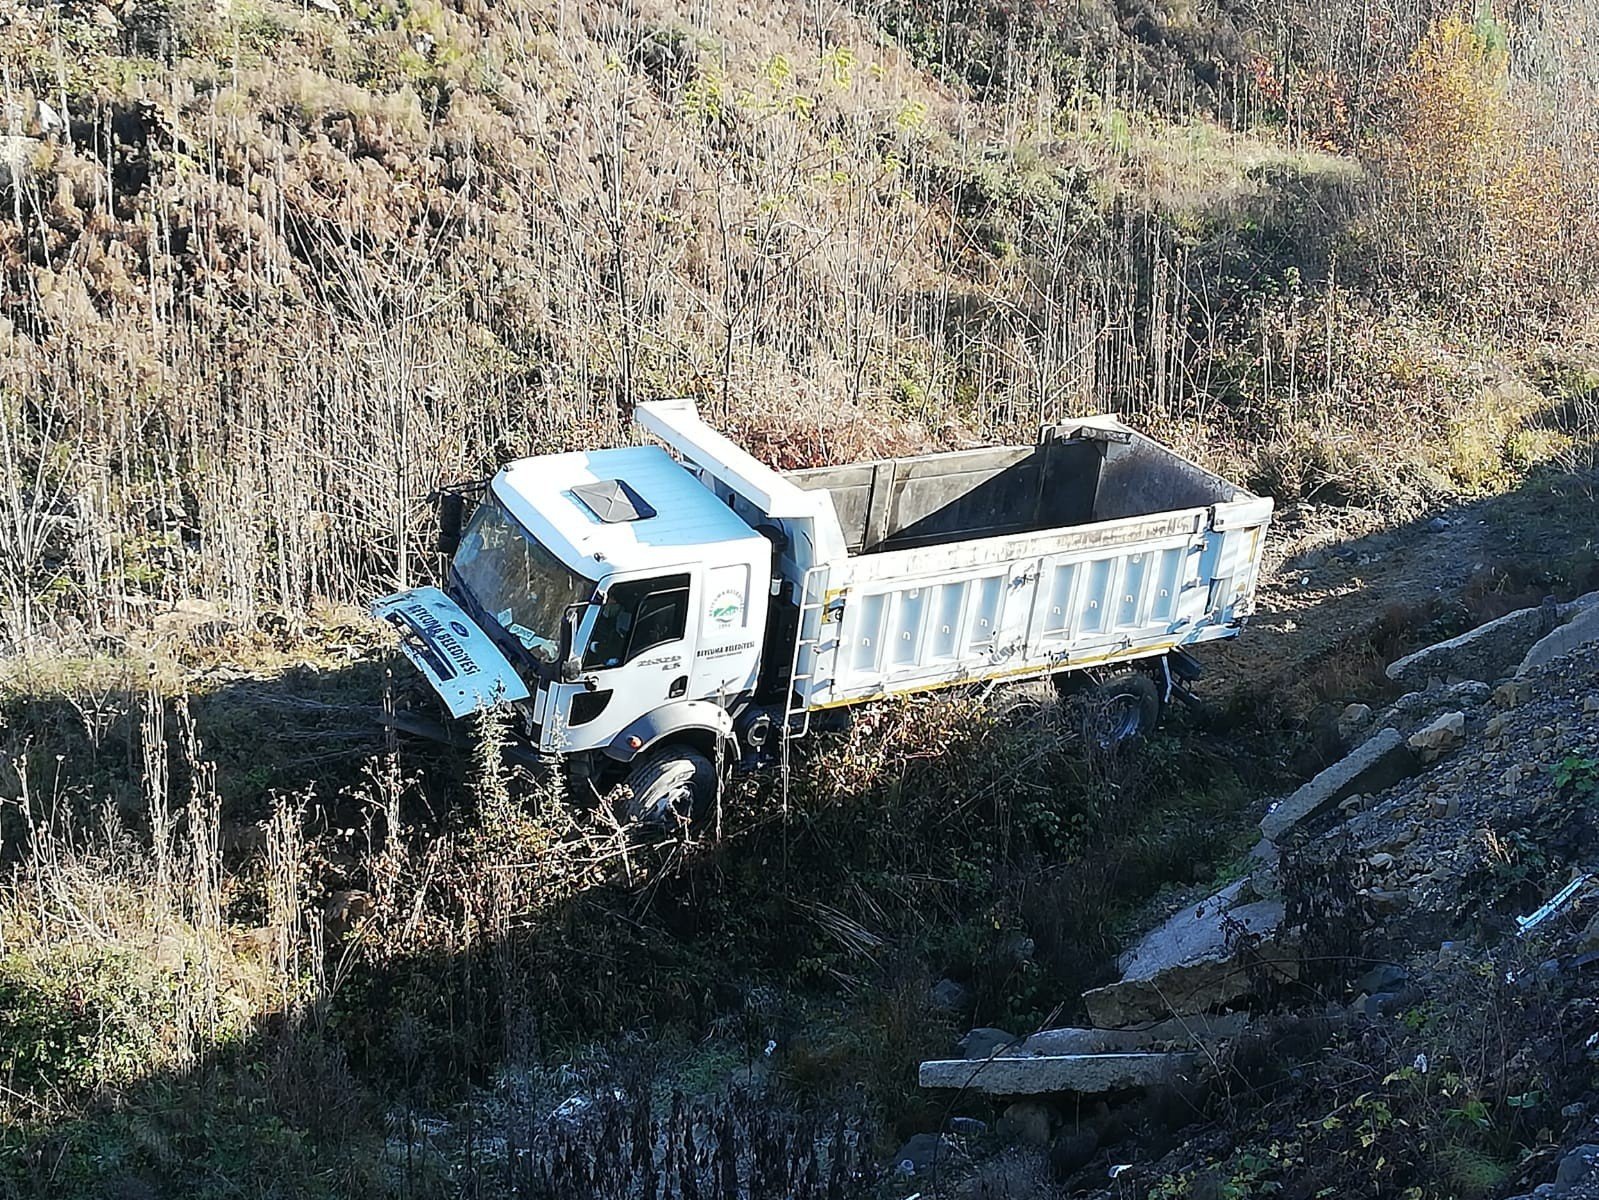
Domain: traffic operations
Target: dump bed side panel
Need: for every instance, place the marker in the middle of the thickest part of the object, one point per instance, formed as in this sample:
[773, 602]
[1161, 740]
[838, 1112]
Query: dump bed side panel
[1033, 604]
[897, 504]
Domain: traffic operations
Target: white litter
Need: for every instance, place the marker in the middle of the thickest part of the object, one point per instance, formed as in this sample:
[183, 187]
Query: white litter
[1556, 903]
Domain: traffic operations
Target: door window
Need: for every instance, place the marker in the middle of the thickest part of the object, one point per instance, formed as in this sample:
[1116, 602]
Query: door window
[637, 617]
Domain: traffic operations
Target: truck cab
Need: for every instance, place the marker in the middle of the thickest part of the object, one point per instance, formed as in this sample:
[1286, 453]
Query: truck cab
[610, 599]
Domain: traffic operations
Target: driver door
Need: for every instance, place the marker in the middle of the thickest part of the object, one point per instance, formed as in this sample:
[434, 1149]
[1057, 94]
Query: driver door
[638, 649]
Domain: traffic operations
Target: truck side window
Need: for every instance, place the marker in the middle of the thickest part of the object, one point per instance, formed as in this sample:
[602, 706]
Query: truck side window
[637, 617]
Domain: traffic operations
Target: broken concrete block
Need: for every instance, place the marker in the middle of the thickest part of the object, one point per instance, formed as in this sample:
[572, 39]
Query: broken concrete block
[1042, 1074]
[1198, 1030]
[1378, 764]
[1582, 630]
[1572, 609]
[1443, 735]
[1486, 653]
[1202, 958]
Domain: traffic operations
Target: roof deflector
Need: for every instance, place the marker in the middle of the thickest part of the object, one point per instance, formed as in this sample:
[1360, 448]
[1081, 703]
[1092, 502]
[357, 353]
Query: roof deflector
[612, 501]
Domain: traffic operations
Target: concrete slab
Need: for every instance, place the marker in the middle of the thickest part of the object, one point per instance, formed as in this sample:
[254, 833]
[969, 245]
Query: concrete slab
[1487, 653]
[1379, 763]
[1203, 957]
[1582, 630]
[1041, 1074]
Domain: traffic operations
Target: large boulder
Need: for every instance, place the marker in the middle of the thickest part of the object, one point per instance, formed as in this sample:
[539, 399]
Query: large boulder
[1488, 652]
[1379, 763]
[1204, 957]
[1582, 630]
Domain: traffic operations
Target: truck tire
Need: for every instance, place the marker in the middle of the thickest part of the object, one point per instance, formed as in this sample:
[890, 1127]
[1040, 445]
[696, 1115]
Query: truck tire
[668, 788]
[1121, 709]
[1024, 705]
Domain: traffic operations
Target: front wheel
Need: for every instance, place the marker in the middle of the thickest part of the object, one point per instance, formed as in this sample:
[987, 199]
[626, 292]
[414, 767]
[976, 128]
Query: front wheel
[668, 788]
[1121, 709]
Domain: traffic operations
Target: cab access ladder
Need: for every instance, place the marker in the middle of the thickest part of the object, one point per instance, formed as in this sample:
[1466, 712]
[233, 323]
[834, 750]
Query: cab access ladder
[808, 640]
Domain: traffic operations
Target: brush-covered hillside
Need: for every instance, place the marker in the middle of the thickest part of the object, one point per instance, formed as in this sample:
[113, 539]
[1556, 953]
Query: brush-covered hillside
[274, 270]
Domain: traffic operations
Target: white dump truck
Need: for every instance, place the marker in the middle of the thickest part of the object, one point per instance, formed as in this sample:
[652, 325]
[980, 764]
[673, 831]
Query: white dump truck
[649, 612]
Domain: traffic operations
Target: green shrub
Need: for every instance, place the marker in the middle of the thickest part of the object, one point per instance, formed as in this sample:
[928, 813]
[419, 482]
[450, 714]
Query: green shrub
[77, 1019]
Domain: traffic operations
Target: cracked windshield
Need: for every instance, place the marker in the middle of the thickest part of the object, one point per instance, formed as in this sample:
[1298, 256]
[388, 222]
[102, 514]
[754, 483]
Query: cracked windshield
[518, 582]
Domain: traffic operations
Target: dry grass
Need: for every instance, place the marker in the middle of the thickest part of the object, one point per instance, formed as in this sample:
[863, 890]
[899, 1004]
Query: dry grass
[289, 272]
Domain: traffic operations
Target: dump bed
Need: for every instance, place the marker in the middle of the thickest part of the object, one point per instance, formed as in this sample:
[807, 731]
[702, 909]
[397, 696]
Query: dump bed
[1095, 546]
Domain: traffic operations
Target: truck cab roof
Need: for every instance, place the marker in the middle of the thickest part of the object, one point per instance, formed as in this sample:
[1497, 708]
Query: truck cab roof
[634, 508]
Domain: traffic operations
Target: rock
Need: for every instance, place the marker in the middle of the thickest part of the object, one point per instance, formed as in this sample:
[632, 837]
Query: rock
[1044, 1074]
[1073, 1150]
[948, 995]
[1375, 1006]
[1469, 693]
[1354, 718]
[1195, 962]
[1265, 853]
[345, 913]
[1381, 862]
[1496, 726]
[1380, 763]
[1442, 736]
[980, 1043]
[917, 1154]
[1486, 653]
[1590, 704]
[1513, 693]
[1026, 1121]
[1510, 781]
[1441, 808]
[1590, 935]
[1582, 630]
[1437, 525]
[1577, 1166]
[1385, 977]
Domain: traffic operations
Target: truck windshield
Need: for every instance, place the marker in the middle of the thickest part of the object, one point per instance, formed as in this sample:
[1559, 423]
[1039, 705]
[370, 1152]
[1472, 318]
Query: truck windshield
[519, 583]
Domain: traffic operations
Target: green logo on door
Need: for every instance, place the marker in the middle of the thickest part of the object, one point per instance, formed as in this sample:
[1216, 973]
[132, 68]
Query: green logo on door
[726, 607]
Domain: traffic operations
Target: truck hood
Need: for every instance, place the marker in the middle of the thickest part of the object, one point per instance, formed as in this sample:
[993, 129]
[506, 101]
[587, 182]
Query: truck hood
[460, 661]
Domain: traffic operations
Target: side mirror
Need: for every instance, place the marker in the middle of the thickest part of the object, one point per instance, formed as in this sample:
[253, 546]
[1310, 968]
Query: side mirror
[571, 653]
[452, 516]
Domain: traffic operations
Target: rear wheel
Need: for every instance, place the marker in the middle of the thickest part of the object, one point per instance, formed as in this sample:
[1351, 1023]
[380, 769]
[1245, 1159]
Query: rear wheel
[1120, 710]
[668, 788]
[1024, 705]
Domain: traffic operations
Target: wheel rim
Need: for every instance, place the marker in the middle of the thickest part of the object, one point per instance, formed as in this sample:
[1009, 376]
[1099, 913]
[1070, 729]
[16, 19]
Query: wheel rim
[1120, 718]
